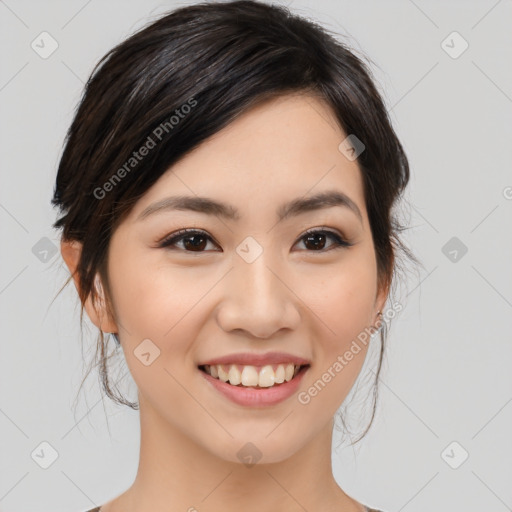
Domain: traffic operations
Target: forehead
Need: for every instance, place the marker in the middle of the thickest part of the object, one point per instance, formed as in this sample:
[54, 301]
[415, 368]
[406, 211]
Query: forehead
[283, 148]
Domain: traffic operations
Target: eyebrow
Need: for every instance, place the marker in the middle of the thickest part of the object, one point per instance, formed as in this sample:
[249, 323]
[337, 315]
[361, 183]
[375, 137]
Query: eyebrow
[209, 206]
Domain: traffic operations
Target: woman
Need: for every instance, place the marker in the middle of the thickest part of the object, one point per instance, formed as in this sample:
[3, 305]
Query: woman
[226, 191]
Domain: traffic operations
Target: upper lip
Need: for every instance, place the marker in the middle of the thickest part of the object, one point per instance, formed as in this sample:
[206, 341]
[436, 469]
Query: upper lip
[246, 358]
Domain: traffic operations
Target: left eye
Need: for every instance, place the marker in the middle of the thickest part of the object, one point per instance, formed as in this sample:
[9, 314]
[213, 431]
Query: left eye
[195, 241]
[317, 238]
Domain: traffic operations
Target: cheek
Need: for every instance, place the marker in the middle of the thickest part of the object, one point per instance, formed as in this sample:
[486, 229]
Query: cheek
[343, 301]
[167, 305]
[343, 304]
[160, 305]
[154, 300]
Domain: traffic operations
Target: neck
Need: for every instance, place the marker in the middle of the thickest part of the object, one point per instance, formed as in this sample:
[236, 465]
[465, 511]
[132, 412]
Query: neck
[176, 472]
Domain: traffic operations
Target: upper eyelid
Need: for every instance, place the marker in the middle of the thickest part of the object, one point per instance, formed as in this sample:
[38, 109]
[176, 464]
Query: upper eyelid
[180, 233]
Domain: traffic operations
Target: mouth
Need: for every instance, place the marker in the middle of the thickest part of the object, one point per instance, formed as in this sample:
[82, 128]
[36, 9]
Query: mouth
[255, 377]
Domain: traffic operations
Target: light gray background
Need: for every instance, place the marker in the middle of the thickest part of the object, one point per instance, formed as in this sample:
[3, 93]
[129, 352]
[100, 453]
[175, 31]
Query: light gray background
[447, 376]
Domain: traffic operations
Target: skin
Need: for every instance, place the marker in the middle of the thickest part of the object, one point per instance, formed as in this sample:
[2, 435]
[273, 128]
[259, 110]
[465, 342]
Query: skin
[198, 305]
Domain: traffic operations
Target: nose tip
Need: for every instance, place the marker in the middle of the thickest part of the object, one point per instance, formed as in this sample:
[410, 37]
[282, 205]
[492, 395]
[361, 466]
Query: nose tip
[257, 301]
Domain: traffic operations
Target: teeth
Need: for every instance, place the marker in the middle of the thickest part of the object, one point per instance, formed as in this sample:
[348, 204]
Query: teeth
[289, 372]
[280, 374]
[223, 376]
[267, 376]
[234, 376]
[250, 376]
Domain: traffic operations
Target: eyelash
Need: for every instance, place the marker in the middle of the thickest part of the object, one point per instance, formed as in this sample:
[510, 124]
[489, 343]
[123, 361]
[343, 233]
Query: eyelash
[182, 233]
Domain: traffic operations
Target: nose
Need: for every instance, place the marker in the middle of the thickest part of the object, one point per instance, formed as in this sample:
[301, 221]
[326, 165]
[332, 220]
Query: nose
[257, 299]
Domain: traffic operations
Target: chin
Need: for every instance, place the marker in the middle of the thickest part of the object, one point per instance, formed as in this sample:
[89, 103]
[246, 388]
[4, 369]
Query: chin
[248, 451]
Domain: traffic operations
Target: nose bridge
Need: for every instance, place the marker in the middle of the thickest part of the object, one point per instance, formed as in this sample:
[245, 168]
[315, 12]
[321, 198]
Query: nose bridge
[253, 262]
[256, 282]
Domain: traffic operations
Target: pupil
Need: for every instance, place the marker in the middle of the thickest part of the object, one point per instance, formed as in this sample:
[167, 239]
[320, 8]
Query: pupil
[313, 237]
[197, 245]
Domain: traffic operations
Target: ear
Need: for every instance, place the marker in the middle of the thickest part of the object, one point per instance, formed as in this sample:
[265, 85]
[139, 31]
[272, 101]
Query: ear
[382, 296]
[71, 252]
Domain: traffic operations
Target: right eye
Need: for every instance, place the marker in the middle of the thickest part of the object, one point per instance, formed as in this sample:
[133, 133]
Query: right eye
[193, 240]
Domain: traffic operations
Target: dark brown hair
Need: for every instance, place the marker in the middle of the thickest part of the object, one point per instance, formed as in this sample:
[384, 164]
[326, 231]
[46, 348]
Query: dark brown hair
[222, 59]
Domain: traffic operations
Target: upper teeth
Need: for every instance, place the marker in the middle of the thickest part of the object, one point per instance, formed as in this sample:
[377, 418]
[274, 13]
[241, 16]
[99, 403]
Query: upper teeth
[250, 375]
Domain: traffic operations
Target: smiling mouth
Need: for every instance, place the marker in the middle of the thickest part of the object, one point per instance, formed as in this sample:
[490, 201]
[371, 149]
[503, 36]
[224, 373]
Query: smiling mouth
[253, 376]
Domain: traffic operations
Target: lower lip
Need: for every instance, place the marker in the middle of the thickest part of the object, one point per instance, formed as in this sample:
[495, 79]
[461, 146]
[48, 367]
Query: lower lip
[257, 397]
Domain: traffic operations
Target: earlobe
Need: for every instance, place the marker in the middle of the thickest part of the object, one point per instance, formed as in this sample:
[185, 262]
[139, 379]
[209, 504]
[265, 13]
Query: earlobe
[71, 252]
[380, 302]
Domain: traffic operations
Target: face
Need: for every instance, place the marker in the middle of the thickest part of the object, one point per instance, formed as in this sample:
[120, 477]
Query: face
[254, 276]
